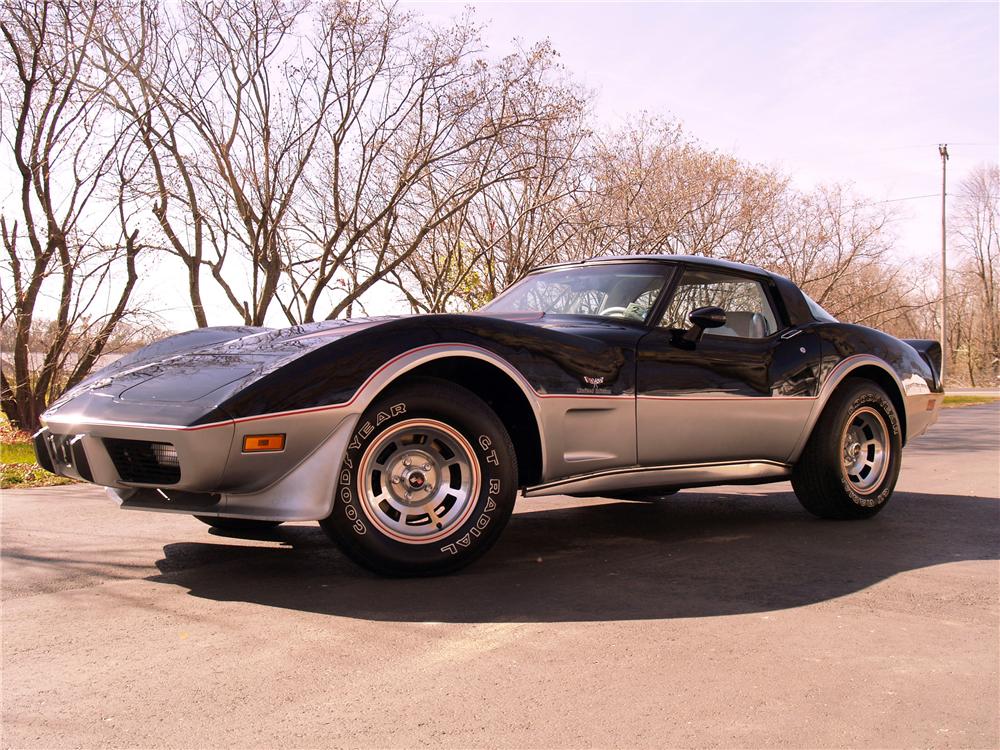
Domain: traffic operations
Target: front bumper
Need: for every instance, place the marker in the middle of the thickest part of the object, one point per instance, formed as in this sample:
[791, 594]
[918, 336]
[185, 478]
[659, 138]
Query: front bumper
[181, 459]
[203, 469]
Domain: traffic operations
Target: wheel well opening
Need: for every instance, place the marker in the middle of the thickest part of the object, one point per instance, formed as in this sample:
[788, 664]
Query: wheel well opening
[502, 395]
[886, 382]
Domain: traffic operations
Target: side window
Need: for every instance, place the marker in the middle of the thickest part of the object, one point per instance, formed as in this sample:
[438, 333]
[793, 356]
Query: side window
[748, 312]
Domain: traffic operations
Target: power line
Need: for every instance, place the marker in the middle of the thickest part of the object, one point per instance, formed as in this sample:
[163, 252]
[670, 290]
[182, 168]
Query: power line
[909, 198]
[927, 145]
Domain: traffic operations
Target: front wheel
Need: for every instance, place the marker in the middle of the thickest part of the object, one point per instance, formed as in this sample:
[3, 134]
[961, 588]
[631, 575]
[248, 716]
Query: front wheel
[849, 467]
[427, 484]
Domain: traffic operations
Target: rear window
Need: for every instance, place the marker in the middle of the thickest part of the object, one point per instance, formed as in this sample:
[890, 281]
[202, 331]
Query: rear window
[818, 312]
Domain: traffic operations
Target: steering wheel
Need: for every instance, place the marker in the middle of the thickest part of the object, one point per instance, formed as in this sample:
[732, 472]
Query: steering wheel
[614, 312]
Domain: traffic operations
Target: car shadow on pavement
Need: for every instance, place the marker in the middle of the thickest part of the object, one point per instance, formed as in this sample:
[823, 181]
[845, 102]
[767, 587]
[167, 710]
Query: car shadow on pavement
[692, 555]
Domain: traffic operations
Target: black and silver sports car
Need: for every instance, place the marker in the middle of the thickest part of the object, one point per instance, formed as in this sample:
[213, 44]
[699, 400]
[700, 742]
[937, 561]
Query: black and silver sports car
[408, 438]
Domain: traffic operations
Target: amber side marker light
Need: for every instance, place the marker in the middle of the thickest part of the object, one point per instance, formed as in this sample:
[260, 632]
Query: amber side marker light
[263, 443]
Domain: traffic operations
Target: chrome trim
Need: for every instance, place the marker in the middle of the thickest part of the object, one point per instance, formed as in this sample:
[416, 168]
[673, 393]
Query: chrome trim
[866, 450]
[414, 358]
[406, 481]
[686, 475]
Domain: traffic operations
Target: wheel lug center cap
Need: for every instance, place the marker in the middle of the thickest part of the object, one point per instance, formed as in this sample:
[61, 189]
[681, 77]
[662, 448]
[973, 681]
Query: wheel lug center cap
[414, 476]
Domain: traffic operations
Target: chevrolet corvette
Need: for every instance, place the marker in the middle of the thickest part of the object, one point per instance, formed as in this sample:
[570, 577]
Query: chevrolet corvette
[409, 438]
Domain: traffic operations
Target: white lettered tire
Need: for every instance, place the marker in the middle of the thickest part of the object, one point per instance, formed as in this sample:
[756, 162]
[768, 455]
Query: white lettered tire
[427, 484]
[849, 467]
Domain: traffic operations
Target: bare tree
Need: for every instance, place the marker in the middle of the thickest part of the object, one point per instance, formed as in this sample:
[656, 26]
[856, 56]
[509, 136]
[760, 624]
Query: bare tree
[515, 224]
[69, 238]
[976, 222]
[838, 248]
[228, 99]
[656, 190]
[420, 129]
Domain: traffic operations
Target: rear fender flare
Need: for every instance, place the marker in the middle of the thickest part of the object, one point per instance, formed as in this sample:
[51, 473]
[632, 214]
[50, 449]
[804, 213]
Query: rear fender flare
[833, 380]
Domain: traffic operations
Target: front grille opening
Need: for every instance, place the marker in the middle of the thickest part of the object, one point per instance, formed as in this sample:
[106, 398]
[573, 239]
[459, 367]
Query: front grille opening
[143, 461]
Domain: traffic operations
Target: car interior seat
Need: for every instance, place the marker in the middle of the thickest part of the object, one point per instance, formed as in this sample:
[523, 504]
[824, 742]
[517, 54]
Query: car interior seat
[747, 325]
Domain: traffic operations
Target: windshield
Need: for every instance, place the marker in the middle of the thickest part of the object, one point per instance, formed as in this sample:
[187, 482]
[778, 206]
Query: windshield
[614, 290]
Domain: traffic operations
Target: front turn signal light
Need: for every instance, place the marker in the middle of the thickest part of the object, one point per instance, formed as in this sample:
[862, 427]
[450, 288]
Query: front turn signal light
[263, 443]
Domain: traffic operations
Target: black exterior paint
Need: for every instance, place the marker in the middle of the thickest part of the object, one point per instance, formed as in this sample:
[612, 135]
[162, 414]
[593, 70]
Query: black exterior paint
[735, 367]
[842, 340]
[218, 374]
[553, 356]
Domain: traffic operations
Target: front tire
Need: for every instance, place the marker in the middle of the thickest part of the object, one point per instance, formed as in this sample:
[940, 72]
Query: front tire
[427, 484]
[849, 467]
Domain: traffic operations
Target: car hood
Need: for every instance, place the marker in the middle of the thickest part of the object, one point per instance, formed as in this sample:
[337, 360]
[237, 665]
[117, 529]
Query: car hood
[299, 339]
[192, 374]
[204, 367]
[294, 339]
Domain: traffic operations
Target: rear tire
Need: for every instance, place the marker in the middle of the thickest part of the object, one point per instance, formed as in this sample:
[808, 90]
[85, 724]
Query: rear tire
[849, 467]
[427, 484]
[238, 524]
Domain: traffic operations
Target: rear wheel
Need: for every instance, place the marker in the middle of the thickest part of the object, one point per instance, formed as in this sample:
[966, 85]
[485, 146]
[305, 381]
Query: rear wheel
[849, 467]
[427, 484]
[238, 524]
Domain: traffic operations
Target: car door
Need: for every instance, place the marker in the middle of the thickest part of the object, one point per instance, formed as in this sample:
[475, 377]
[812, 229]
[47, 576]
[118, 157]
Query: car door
[743, 392]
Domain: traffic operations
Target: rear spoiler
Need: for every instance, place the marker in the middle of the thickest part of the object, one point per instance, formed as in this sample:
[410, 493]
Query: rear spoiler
[930, 352]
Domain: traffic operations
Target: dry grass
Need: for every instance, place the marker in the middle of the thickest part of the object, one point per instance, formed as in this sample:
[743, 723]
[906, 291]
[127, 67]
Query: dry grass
[952, 401]
[18, 468]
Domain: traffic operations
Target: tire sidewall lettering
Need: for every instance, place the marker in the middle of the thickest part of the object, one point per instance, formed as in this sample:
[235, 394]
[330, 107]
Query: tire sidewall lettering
[481, 522]
[345, 495]
[368, 430]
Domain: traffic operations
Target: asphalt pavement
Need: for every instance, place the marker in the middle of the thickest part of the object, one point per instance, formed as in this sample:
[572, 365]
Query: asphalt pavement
[715, 618]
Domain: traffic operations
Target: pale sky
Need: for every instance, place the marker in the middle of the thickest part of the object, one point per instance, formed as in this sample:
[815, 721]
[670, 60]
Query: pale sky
[856, 92]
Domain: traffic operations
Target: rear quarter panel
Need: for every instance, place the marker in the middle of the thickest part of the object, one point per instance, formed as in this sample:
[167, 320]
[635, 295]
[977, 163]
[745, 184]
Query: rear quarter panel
[847, 344]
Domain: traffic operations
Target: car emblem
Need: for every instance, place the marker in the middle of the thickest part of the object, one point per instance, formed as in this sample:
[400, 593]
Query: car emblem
[593, 381]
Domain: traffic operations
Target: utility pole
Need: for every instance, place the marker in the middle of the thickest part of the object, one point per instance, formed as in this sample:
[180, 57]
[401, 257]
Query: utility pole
[943, 151]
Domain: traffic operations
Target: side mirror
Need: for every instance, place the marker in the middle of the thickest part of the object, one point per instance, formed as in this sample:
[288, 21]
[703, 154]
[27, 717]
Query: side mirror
[703, 318]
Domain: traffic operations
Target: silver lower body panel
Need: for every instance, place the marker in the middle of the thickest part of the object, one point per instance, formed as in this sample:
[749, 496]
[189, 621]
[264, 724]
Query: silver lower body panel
[306, 493]
[652, 477]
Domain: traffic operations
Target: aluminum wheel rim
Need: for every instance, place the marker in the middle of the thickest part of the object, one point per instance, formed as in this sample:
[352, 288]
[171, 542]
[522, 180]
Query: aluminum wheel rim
[418, 481]
[865, 450]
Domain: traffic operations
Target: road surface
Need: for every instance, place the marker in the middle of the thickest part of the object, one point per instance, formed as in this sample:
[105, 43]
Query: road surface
[715, 619]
